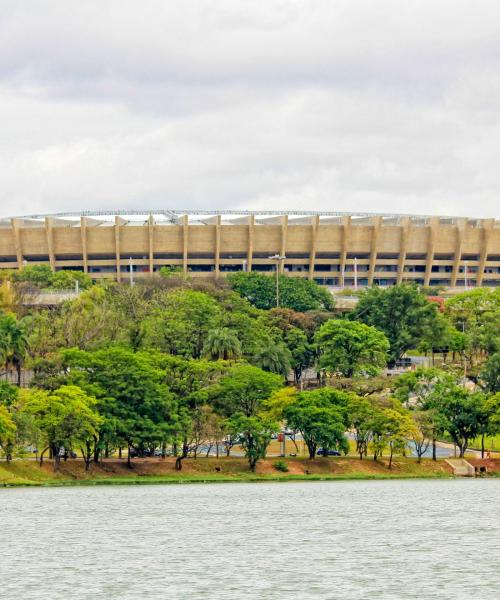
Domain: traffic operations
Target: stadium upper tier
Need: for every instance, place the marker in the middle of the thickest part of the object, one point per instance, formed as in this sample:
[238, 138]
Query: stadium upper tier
[336, 249]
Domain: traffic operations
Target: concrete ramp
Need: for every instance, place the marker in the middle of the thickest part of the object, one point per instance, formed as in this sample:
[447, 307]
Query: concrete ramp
[461, 468]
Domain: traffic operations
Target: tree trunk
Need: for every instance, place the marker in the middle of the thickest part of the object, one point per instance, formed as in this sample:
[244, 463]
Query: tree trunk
[120, 452]
[434, 457]
[129, 463]
[18, 369]
[41, 455]
[390, 457]
[178, 463]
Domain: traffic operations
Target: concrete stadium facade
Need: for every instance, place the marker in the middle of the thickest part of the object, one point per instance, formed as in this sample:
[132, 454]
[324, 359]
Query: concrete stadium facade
[334, 249]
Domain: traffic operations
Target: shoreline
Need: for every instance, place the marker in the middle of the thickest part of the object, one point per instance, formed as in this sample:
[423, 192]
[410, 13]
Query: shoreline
[27, 473]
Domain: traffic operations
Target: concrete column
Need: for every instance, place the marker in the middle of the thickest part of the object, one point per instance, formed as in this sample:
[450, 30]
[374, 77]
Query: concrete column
[487, 231]
[217, 245]
[284, 231]
[151, 231]
[251, 227]
[17, 242]
[117, 248]
[433, 229]
[377, 222]
[314, 243]
[459, 238]
[346, 227]
[185, 241]
[83, 235]
[405, 226]
[50, 242]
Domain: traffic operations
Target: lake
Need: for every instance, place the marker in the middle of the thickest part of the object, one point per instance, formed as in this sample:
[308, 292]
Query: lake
[341, 540]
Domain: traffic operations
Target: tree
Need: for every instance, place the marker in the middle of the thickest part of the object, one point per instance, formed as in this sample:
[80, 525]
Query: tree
[417, 391]
[64, 280]
[181, 321]
[243, 389]
[490, 375]
[295, 293]
[423, 430]
[273, 357]
[401, 312]
[361, 412]
[254, 434]
[14, 342]
[66, 418]
[222, 343]
[477, 314]
[351, 348]
[137, 406]
[39, 275]
[7, 432]
[459, 411]
[320, 416]
[390, 428]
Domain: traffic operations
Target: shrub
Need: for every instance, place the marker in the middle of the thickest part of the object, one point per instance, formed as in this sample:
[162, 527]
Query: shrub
[281, 465]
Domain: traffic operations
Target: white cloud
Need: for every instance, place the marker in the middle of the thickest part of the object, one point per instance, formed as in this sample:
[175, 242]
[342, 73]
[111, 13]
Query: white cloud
[382, 106]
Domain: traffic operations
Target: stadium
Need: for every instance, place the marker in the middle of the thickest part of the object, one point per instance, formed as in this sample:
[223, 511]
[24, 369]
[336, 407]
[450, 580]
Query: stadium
[332, 248]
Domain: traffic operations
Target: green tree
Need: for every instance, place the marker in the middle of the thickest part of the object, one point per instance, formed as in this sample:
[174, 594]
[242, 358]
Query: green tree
[459, 411]
[38, 275]
[243, 389]
[65, 417]
[14, 342]
[351, 348]
[361, 413]
[417, 391]
[320, 416]
[7, 432]
[296, 293]
[222, 344]
[254, 434]
[138, 407]
[490, 375]
[181, 321]
[65, 280]
[273, 357]
[401, 312]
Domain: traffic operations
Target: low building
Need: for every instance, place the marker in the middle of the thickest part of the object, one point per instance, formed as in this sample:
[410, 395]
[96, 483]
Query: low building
[334, 249]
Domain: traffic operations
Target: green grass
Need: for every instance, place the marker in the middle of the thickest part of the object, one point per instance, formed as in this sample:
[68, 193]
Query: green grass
[211, 470]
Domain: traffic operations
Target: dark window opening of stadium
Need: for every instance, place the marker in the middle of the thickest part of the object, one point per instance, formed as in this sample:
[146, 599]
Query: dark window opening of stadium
[166, 255]
[327, 255]
[413, 256]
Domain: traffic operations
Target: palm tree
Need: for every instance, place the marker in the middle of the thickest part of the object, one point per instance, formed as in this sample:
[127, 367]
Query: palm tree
[222, 343]
[13, 343]
[275, 358]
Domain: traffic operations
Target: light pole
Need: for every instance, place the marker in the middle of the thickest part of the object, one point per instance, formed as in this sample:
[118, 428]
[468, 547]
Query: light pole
[244, 267]
[278, 258]
[355, 273]
[131, 271]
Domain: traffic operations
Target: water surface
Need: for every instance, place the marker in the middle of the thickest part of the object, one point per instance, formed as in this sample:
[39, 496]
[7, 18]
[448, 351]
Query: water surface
[340, 540]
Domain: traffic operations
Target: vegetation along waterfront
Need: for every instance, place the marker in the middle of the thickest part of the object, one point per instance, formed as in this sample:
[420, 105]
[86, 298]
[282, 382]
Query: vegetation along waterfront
[174, 379]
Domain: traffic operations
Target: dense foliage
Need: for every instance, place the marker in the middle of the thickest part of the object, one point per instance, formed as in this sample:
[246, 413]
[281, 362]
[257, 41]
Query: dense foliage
[175, 366]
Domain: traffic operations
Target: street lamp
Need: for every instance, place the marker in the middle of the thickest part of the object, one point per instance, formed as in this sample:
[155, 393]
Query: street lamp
[131, 270]
[278, 258]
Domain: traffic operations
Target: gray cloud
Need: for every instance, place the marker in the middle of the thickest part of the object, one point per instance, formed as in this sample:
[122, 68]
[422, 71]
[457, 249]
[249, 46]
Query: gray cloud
[332, 105]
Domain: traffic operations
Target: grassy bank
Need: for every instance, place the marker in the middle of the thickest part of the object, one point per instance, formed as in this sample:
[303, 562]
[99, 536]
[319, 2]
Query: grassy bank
[151, 471]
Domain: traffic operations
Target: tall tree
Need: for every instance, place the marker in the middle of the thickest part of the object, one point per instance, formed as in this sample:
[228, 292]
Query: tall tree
[350, 348]
[320, 416]
[296, 293]
[401, 312]
[243, 389]
[222, 343]
[254, 434]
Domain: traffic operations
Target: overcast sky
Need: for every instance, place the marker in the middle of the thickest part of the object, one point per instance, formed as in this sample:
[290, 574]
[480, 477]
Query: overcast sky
[349, 105]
